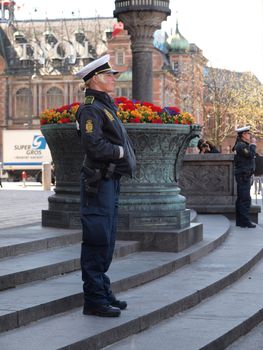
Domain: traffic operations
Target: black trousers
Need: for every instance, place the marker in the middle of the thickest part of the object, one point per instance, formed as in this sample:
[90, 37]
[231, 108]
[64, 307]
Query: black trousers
[99, 222]
[243, 201]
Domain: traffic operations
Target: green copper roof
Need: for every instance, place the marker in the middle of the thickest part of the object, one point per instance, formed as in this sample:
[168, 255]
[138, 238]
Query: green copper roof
[176, 42]
[125, 76]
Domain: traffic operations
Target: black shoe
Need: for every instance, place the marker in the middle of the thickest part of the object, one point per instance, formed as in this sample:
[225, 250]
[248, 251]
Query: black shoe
[121, 304]
[249, 225]
[103, 311]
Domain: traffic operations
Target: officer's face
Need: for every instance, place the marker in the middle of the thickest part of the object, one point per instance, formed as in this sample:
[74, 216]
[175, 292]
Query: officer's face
[246, 136]
[105, 82]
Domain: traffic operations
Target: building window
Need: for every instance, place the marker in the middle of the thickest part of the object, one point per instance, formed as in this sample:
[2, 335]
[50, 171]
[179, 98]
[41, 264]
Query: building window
[23, 103]
[176, 67]
[124, 92]
[55, 98]
[120, 58]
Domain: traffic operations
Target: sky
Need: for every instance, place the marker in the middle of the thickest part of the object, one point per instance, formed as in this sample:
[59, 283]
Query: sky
[229, 32]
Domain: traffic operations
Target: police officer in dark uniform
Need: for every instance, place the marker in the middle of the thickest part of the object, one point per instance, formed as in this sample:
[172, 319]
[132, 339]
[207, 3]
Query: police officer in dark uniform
[245, 154]
[109, 154]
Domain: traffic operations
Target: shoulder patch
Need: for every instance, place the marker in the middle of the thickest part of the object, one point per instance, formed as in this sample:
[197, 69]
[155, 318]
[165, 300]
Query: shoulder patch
[108, 114]
[89, 126]
[89, 100]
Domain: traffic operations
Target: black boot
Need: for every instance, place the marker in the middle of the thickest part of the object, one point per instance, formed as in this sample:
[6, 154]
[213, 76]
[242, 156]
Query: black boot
[102, 310]
[121, 304]
[248, 225]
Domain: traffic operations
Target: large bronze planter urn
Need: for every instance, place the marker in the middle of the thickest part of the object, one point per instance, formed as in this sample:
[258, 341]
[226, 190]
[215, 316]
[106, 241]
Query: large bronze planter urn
[150, 200]
[64, 205]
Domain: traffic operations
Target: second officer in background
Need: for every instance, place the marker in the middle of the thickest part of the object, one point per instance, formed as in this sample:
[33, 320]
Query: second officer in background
[244, 160]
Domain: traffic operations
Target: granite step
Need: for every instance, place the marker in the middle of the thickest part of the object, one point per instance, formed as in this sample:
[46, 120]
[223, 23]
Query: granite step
[30, 238]
[249, 341]
[214, 324]
[54, 295]
[26, 268]
[148, 304]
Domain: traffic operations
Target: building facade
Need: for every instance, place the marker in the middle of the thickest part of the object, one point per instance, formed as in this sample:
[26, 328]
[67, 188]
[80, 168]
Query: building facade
[39, 59]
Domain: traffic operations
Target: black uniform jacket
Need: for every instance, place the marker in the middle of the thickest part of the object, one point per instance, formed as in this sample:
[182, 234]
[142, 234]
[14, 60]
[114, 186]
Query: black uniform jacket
[102, 133]
[245, 155]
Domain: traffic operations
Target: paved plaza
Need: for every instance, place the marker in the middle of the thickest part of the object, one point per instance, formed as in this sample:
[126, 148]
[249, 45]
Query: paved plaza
[22, 204]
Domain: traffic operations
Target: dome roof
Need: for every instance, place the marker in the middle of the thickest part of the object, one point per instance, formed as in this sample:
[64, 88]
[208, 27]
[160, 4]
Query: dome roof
[176, 42]
[125, 76]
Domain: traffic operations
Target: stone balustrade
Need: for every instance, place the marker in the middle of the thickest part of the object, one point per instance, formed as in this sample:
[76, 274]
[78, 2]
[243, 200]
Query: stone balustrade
[208, 183]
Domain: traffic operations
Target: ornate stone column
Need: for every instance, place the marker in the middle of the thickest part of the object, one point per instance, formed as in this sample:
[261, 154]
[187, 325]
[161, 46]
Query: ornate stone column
[142, 18]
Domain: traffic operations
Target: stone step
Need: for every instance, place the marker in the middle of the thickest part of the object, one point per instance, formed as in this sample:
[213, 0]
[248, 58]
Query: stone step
[148, 304]
[249, 341]
[213, 324]
[30, 238]
[42, 299]
[33, 237]
[31, 267]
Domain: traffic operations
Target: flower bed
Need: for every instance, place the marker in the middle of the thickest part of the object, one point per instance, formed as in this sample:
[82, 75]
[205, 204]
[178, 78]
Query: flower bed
[128, 112]
[61, 115]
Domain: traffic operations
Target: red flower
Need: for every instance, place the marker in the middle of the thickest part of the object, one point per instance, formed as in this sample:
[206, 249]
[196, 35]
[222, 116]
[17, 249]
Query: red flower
[175, 109]
[121, 99]
[74, 104]
[135, 120]
[157, 109]
[63, 108]
[65, 120]
[147, 104]
[128, 107]
[157, 121]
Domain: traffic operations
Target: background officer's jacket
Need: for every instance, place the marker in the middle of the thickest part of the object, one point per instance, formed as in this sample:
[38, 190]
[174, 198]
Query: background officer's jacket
[102, 133]
[245, 155]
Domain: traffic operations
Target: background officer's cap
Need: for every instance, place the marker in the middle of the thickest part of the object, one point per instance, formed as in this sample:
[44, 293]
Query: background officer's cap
[98, 66]
[243, 129]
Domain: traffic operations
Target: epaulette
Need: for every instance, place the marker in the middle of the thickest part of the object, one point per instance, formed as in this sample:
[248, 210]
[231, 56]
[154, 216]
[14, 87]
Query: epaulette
[89, 100]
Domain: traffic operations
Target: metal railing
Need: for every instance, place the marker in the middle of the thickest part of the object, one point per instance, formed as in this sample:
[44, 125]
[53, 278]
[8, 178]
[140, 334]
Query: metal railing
[257, 190]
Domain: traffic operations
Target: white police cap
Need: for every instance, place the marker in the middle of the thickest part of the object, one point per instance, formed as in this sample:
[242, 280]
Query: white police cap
[243, 129]
[98, 66]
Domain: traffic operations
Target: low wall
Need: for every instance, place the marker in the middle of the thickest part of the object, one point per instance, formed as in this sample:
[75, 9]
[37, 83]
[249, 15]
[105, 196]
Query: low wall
[208, 183]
